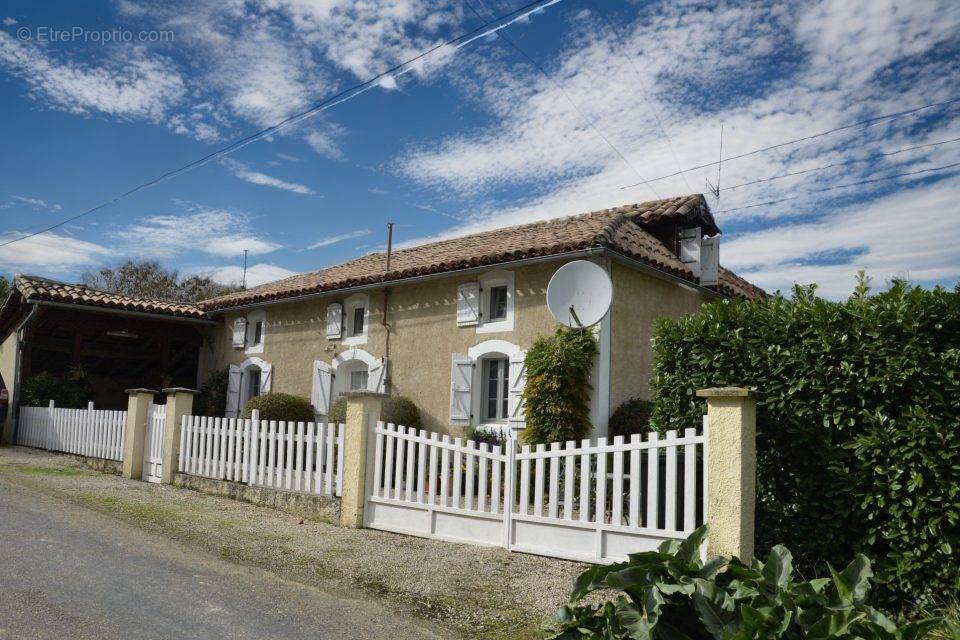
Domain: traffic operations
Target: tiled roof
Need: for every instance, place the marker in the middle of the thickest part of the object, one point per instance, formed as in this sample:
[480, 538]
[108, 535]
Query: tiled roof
[619, 229]
[34, 288]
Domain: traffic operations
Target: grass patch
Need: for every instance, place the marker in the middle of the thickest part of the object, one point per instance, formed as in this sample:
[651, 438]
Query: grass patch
[34, 470]
[159, 515]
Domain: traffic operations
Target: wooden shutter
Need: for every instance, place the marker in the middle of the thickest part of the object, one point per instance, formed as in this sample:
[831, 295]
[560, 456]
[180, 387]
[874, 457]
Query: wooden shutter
[266, 376]
[710, 261]
[690, 249]
[233, 391]
[334, 320]
[517, 383]
[468, 304]
[322, 390]
[239, 332]
[461, 388]
[377, 376]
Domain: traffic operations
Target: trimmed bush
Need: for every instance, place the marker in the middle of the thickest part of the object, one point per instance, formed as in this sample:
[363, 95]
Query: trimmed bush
[280, 406]
[633, 416]
[338, 411]
[857, 442]
[401, 410]
[212, 399]
[669, 594]
[557, 393]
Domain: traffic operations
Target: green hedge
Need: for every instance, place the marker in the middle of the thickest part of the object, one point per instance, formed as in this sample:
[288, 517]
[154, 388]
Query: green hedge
[280, 406]
[71, 392]
[857, 432]
[396, 409]
[633, 416]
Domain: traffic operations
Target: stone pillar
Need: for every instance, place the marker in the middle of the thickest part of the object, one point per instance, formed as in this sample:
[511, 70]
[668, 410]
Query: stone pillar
[179, 404]
[731, 470]
[363, 412]
[135, 433]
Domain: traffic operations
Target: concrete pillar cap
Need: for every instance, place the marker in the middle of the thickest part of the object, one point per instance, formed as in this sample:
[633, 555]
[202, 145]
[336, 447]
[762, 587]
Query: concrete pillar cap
[728, 392]
[133, 391]
[179, 390]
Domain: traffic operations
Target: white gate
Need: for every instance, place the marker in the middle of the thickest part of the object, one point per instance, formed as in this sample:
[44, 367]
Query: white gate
[153, 443]
[592, 501]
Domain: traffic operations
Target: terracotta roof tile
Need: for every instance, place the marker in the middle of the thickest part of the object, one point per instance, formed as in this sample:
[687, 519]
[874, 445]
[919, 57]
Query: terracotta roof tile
[35, 288]
[619, 229]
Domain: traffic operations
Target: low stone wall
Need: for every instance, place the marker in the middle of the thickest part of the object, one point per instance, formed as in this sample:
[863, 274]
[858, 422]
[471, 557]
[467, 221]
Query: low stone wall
[99, 464]
[314, 507]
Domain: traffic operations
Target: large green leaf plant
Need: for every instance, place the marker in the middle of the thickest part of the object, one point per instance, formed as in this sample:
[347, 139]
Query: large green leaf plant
[670, 594]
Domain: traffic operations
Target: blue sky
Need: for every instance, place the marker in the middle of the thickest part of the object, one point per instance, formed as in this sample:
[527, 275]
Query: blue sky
[476, 137]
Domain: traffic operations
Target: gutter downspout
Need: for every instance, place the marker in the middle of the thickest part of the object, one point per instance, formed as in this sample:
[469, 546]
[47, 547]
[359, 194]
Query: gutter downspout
[17, 382]
[387, 382]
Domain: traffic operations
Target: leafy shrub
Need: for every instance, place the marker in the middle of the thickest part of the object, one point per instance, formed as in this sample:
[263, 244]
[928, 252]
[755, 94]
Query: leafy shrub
[212, 399]
[633, 416]
[396, 409]
[401, 410]
[857, 447]
[280, 406]
[670, 594]
[72, 392]
[338, 411]
[557, 393]
[481, 435]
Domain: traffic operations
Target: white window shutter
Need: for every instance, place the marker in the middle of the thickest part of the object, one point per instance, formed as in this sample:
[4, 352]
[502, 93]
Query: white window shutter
[322, 389]
[468, 304]
[377, 376]
[710, 261]
[233, 391]
[266, 377]
[518, 381]
[334, 320]
[239, 332]
[690, 249]
[461, 389]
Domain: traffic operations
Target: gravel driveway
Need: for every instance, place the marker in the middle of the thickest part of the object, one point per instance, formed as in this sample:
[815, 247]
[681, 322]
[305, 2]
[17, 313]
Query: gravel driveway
[478, 592]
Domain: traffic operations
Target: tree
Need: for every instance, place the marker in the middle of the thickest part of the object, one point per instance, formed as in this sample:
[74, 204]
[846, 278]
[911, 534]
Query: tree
[149, 279]
[4, 289]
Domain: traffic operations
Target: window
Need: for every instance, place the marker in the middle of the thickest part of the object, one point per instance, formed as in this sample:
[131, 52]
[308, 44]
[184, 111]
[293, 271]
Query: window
[356, 329]
[498, 303]
[358, 380]
[496, 381]
[253, 382]
[258, 332]
[256, 327]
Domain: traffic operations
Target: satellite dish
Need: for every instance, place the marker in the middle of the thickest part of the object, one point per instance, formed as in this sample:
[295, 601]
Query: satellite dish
[579, 294]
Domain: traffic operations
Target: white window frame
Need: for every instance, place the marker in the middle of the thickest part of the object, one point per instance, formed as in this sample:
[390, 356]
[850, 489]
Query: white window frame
[252, 319]
[503, 388]
[341, 373]
[356, 301]
[478, 353]
[487, 281]
[266, 380]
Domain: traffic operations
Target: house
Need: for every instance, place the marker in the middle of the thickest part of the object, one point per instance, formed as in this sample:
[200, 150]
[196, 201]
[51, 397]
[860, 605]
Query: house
[119, 342]
[448, 323]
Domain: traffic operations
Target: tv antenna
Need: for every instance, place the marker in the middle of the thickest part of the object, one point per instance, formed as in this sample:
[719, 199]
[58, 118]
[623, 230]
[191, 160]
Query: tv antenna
[715, 190]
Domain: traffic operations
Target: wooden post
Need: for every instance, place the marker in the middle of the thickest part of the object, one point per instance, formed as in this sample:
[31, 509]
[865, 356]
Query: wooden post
[179, 404]
[363, 413]
[731, 470]
[138, 412]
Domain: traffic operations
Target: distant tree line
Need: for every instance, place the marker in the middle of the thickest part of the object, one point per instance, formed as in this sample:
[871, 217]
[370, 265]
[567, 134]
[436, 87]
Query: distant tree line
[149, 279]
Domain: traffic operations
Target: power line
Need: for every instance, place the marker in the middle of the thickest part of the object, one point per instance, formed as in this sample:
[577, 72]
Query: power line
[342, 96]
[587, 120]
[869, 122]
[643, 91]
[843, 186]
[840, 164]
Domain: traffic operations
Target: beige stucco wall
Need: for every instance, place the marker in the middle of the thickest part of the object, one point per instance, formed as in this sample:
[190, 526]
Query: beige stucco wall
[639, 300]
[424, 337]
[8, 365]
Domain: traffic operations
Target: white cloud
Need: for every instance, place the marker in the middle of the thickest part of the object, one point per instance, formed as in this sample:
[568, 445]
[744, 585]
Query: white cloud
[9, 22]
[329, 240]
[137, 85]
[217, 232]
[325, 141]
[49, 252]
[243, 172]
[37, 203]
[257, 274]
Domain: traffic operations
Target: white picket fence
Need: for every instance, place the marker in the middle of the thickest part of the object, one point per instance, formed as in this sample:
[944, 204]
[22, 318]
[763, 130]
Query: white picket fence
[292, 456]
[595, 501]
[88, 432]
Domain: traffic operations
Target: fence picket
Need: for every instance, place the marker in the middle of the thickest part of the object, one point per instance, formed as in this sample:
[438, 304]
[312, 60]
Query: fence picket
[670, 496]
[653, 479]
[616, 492]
